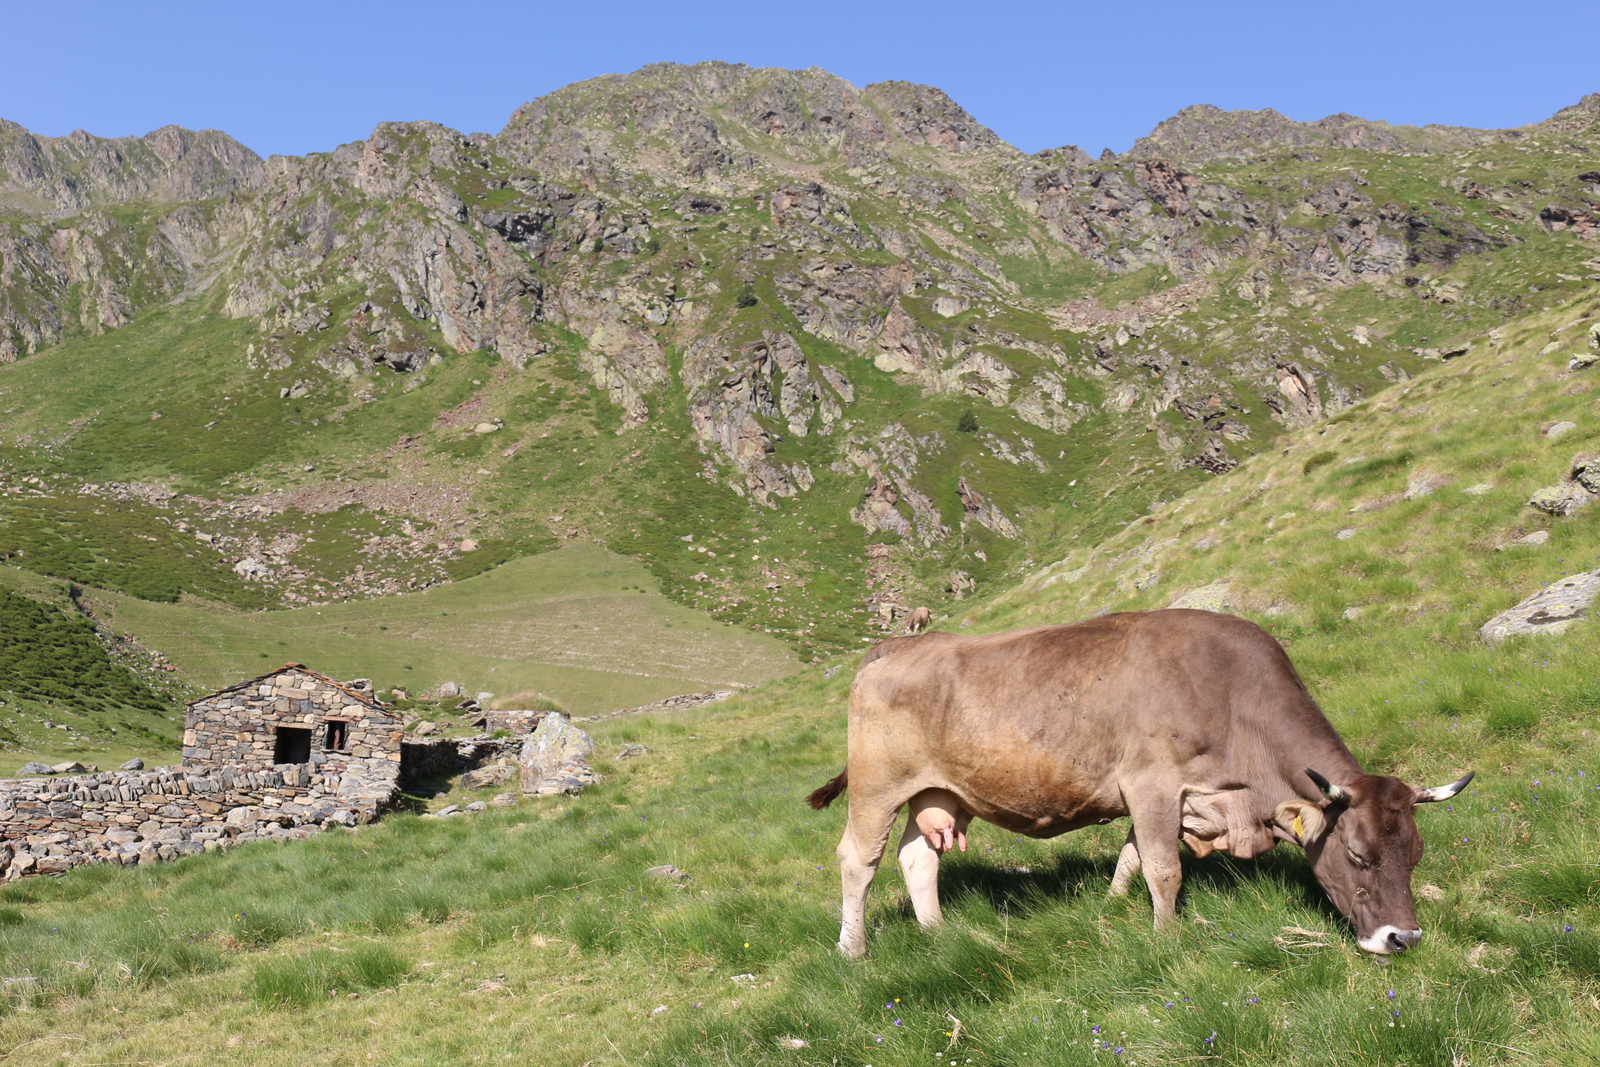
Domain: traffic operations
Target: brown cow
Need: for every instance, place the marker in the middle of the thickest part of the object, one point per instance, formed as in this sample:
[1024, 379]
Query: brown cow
[918, 621]
[1195, 724]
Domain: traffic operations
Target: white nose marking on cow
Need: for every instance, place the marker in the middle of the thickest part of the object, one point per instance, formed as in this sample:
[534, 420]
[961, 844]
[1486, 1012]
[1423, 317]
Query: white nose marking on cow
[1386, 939]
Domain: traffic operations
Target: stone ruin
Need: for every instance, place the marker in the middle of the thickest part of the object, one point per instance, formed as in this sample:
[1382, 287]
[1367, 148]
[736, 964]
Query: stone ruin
[277, 757]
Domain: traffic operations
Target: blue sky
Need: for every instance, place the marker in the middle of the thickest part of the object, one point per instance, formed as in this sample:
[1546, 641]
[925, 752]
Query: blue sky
[295, 77]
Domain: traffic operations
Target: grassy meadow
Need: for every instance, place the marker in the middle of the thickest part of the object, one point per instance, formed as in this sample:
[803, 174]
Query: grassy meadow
[582, 624]
[533, 935]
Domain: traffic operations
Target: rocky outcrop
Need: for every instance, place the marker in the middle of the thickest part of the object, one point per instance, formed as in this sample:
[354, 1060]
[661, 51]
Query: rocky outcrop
[1203, 133]
[1213, 597]
[735, 394]
[1580, 489]
[982, 511]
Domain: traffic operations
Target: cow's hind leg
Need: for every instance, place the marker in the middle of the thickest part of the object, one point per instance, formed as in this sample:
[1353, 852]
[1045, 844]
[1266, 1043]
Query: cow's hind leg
[1127, 867]
[936, 824]
[1156, 824]
[860, 850]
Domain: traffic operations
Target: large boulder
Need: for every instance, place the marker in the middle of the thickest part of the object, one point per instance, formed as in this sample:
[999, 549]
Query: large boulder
[1549, 611]
[33, 766]
[555, 757]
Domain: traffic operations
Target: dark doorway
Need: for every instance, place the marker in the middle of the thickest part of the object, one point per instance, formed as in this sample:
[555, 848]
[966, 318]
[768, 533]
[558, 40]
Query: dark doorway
[293, 745]
[337, 738]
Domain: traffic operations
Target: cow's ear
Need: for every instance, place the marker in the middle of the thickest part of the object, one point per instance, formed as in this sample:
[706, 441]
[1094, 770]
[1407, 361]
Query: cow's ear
[1302, 820]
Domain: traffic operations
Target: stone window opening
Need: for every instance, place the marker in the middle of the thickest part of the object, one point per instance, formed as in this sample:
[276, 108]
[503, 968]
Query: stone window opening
[292, 745]
[337, 736]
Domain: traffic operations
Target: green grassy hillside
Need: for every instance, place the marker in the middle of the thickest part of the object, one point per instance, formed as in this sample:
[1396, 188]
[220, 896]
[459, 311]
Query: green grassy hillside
[70, 690]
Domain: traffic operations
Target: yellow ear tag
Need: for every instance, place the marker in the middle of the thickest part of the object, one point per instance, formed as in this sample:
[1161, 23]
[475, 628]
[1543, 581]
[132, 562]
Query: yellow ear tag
[1299, 828]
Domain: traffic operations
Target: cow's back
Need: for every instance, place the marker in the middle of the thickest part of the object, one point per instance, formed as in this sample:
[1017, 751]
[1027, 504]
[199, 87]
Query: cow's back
[1040, 729]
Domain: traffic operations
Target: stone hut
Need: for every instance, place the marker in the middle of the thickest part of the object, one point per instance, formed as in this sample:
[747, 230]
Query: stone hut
[294, 716]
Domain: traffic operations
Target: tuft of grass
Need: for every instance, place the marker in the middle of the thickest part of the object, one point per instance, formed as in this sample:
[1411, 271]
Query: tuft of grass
[321, 975]
[1320, 459]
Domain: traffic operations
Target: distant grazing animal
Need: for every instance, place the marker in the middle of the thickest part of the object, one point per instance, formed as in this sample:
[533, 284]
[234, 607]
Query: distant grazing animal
[918, 621]
[1193, 723]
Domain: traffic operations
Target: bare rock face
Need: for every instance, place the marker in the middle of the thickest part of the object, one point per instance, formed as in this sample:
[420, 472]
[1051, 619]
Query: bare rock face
[1550, 611]
[555, 758]
[732, 389]
[877, 511]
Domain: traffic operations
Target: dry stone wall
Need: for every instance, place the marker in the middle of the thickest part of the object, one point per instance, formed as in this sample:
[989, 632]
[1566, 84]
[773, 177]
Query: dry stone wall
[50, 825]
[452, 755]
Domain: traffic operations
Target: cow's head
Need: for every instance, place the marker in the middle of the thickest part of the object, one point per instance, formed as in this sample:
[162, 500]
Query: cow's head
[1363, 844]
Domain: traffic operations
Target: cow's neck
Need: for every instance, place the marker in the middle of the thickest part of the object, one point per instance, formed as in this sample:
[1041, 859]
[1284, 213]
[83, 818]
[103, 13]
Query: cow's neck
[1327, 755]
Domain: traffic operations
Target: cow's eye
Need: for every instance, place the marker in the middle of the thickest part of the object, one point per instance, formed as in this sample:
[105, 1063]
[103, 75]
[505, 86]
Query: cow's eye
[1356, 858]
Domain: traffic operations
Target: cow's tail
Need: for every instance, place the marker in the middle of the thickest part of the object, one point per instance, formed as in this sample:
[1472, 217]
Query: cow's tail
[824, 796]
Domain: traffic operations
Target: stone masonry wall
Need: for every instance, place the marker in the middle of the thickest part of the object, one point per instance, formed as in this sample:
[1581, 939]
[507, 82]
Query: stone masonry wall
[49, 825]
[452, 755]
[241, 726]
[515, 723]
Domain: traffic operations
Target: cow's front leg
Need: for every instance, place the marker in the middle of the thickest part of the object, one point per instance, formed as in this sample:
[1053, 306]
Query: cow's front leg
[1127, 867]
[1156, 820]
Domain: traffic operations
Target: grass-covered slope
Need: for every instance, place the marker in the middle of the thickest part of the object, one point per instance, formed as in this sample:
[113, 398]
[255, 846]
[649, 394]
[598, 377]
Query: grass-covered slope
[72, 690]
[583, 625]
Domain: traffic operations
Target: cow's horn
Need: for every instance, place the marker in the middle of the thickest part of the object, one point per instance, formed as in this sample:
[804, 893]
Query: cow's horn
[1444, 792]
[1329, 790]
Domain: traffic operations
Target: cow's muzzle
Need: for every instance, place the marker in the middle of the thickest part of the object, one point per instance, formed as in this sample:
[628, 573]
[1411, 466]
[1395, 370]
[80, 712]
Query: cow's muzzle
[1388, 939]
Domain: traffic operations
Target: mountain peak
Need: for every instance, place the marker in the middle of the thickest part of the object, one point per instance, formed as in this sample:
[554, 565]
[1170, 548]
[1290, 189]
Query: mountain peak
[721, 117]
